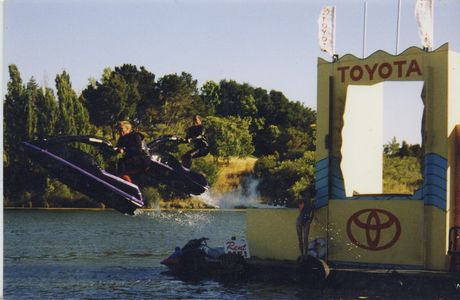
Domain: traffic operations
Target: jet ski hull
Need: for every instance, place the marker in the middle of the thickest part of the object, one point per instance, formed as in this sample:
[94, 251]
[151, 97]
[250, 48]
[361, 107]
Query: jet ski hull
[80, 172]
[170, 172]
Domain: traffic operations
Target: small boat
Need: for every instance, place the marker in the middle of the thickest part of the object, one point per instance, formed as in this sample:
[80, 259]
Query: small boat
[197, 260]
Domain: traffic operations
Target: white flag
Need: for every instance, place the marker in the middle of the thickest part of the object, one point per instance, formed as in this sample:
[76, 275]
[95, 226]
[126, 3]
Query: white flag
[424, 16]
[326, 34]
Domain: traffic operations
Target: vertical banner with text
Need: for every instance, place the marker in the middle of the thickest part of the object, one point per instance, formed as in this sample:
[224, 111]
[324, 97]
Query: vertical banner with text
[424, 16]
[326, 27]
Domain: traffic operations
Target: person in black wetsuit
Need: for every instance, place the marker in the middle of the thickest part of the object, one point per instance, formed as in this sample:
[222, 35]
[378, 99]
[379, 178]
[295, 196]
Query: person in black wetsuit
[135, 158]
[196, 134]
[304, 219]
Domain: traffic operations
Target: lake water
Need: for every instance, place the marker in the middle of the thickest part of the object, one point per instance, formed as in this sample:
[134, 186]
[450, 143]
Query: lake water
[78, 254]
[106, 255]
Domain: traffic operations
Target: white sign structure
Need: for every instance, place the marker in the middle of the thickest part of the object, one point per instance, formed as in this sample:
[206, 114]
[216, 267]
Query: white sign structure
[239, 246]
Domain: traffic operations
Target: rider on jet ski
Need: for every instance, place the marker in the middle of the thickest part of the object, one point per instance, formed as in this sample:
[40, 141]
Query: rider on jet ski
[196, 134]
[135, 156]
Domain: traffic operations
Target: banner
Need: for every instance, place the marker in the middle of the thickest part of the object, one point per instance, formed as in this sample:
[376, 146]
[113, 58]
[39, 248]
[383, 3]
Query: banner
[424, 16]
[326, 34]
[238, 247]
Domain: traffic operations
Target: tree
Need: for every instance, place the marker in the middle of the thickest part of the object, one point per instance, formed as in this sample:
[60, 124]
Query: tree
[140, 89]
[14, 112]
[107, 101]
[211, 96]
[283, 182]
[236, 100]
[66, 122]
[177, 96]
[22, 180]
[294, 122]
[392, 147]
[229, 137]
[47, 113]
[32, 94]
[148, 93]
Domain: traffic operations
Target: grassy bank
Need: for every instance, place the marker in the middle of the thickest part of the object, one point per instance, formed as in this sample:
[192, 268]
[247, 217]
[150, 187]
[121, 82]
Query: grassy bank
[231, 174]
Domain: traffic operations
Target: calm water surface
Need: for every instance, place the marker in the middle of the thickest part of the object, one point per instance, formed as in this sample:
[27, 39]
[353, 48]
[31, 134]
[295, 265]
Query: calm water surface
[107, 255]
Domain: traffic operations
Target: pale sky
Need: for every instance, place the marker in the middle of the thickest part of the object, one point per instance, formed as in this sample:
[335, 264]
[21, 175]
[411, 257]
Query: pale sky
[269, 44]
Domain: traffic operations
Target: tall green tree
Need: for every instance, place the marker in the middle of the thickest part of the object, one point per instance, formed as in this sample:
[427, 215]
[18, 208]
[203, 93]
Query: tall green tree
[33, 94]
[22, 180]
[145, 106]
[66, 122]
[124, 93]
[81, 117]
[47, 111]
[107, 101]
[14, 114]
[177, 95]
[236, 99]
[73, 117]
[211, 96]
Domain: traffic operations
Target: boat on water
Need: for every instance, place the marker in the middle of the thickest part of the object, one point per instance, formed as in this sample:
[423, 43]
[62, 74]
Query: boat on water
[197, 260]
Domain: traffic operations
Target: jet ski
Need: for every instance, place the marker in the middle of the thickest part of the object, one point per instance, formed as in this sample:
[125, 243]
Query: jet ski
[167, 169]
[197, 260]
[80, 171]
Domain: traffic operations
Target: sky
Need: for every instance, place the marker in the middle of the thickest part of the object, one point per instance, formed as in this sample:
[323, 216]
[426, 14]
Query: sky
[272, 44]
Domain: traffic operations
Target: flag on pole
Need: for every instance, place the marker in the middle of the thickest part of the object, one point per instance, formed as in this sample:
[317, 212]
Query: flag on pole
[424, 16]
[326, 34]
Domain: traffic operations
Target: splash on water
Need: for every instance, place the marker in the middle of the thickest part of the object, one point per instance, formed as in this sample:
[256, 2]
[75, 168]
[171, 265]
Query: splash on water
[245, 196]
[185, 218]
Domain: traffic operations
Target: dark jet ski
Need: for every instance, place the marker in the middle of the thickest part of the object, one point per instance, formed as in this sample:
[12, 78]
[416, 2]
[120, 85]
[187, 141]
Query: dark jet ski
[167, 169]
[80, 171]
[197, 260]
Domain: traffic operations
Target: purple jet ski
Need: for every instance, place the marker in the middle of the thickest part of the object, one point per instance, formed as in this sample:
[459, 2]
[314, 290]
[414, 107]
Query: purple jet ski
[81, 172]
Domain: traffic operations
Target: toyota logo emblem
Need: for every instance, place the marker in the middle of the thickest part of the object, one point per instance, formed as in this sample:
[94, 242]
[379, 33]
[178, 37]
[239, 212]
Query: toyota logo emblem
[373, 221]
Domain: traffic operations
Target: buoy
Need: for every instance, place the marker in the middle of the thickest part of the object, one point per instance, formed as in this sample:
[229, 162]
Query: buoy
[317, 248]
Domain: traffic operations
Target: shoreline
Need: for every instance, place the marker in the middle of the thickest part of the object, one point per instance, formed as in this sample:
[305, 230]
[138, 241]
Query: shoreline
[111, 209]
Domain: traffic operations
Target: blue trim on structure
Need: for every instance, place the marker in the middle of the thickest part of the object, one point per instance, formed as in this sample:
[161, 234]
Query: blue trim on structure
[418, 195]
[382, 197]
[434, 190]
[337, 183]
[322, 183]
[328, 181]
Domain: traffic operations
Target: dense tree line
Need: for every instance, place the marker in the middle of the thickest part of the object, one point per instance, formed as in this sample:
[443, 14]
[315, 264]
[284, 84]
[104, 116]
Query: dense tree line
[242, 120]
[401, 167]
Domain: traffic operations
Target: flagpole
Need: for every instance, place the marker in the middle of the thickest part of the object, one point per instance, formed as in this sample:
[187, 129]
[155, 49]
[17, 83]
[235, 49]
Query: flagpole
[364, 28]
[397, 27]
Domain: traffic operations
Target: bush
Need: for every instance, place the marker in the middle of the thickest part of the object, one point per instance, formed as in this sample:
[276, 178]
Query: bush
[283, 182]
[401, 174]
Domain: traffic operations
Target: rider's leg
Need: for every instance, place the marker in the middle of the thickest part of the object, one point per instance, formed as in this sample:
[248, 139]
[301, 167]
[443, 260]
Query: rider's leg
[187, 159]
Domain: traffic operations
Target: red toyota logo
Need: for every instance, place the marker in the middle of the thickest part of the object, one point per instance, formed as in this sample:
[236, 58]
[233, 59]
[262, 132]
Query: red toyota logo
[373, 221]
